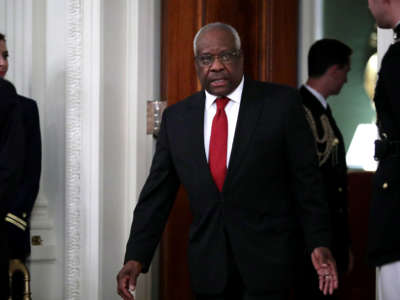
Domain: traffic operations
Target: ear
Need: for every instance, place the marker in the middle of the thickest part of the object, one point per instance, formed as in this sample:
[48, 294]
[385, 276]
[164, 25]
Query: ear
[332, 69]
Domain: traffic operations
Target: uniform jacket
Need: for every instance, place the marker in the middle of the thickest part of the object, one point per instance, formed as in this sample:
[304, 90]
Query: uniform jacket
[273, 173]
[11, 155]
[332, 159]
[20, 208]
[384, 241]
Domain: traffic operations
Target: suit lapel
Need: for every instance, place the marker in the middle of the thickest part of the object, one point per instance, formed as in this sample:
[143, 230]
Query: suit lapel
[249, 112]
[195, 121]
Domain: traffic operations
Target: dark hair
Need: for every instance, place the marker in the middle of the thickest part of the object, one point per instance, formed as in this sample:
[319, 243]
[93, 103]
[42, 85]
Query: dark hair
[2, 37]
[325, 53]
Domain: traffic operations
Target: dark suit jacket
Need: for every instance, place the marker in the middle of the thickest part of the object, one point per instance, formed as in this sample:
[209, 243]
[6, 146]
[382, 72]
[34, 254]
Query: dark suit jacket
[273, 172]
[384, 240]
[334, 175]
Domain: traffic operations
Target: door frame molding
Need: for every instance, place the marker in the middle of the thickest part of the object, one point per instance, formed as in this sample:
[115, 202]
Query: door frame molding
[85, 137]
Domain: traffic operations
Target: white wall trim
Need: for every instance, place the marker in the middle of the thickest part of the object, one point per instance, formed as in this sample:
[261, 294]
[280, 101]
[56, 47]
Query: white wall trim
[310, 30]
[83, 150]
[91, 162]
[143, 82]
[74, 52]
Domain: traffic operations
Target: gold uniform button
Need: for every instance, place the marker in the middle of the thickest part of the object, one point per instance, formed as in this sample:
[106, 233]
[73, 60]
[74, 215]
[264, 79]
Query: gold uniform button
[335, 142]
[385, 185]
[24, 215]
[340, 189]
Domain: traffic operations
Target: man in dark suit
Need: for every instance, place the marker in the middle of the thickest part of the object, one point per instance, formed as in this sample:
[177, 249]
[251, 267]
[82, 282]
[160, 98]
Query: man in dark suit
[245, 155]
[19, 212]
[328, 65]
[384, 240]
[11, 163]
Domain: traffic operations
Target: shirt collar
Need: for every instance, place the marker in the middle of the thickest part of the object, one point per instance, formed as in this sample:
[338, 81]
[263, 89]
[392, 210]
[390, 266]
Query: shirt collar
[317, 95]
[396, 32]
[235, 96]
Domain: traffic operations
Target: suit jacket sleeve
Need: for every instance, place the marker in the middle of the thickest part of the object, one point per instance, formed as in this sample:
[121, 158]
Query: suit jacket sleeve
[312, 206]
[155, 202]
[28, 186]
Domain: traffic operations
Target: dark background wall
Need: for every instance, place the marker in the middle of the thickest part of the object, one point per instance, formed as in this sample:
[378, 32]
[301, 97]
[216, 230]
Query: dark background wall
[352, 23]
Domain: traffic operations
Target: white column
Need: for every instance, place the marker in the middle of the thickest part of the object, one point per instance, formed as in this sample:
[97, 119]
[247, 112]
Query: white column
[310, 30]
[83, 150]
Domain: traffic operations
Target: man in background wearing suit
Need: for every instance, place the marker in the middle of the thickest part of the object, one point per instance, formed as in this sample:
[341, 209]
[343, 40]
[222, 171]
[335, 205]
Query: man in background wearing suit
[11, 164]
[17, 217]
[244, 152]
[328, 65]
[384, 239]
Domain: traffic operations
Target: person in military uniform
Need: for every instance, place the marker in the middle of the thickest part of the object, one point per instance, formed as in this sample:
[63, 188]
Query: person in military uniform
[19, 212]
[328, 65]
[11, 164]
[20, 207]
[383, 237]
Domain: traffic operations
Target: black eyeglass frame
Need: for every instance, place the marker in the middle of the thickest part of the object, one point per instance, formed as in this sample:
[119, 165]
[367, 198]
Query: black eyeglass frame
[225, 58]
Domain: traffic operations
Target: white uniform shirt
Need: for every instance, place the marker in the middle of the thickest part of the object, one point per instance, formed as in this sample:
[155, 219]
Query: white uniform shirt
[318, 96]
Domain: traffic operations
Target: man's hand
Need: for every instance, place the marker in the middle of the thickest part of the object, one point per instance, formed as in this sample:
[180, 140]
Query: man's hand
[325, 265]
[126, 279]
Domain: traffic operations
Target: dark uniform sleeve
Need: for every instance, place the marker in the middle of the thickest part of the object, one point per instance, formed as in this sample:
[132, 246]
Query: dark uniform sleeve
[28, 187]
[11, 148]
[391, 83]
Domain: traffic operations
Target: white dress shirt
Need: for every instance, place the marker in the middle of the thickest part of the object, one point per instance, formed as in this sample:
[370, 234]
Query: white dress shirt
[232, 112]
[318, 96]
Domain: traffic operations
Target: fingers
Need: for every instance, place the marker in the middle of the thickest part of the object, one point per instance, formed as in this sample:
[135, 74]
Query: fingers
[328, 280]
[123, 283]
[325, 266]
[126, 279]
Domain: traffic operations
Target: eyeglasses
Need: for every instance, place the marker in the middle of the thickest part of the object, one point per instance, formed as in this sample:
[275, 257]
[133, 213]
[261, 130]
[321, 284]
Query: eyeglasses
[225, 58]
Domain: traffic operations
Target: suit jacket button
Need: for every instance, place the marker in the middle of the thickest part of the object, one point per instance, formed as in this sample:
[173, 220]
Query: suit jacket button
[340, 189]
[335, 142]
[385, 185]
[24, 215]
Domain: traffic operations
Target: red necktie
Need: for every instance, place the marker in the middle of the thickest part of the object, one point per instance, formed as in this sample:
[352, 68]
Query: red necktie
[219, 144]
